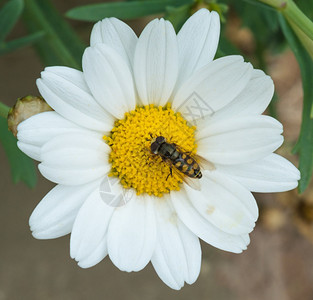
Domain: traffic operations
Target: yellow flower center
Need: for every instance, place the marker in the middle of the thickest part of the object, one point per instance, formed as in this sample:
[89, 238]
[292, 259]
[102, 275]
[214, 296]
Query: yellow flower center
[131, 158]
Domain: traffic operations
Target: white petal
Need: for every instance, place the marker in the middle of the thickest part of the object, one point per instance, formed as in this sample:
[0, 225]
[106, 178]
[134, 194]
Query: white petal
[197, 42]
[117, 35]
[55, 214]
[90, 226]
[270, 174]
[204, 229]
[114, 195]
[224, 203]
[96, 256]
[240, 140]
[156, 62]
[70, 75]
[74, 159]
[238, 191]
[221, 127]
[30, 150]
[212, 87]
[42, 127]
[246, 239]
[177, 257]
[253, 100]
[132, 234]
[66, 92]
[109, 79]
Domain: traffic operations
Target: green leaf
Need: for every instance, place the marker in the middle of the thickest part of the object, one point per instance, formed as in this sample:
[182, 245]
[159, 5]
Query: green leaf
[22, 167]
[306, 6]
[9, 15]
[263, 23]
[21, 42]
[177, 15]
[4, 110]
[61, 45]
[304, 145]
[123, 10]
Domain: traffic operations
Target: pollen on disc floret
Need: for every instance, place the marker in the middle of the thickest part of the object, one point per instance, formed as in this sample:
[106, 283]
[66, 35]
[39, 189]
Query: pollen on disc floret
[131, 158]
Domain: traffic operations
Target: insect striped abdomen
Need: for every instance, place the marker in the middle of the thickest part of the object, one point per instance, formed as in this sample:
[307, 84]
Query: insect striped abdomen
[187, 165]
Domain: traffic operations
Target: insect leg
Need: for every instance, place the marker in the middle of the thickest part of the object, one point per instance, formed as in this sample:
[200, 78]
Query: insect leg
[171, 173]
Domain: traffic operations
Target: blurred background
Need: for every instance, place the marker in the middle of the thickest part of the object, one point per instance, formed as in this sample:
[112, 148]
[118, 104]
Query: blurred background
[277, 265]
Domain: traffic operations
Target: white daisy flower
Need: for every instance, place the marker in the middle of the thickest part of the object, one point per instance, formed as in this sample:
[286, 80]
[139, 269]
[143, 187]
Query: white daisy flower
[131, 91]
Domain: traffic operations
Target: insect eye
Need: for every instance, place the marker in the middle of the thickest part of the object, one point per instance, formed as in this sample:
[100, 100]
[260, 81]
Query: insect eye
[160, 139]
[154, 147]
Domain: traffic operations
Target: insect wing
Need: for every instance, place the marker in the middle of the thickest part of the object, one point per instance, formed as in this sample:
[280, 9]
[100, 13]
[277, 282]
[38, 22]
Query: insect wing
[192, 182]
[203, 163]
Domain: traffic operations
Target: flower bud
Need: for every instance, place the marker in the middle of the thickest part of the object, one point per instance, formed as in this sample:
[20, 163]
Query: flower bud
[25, 108]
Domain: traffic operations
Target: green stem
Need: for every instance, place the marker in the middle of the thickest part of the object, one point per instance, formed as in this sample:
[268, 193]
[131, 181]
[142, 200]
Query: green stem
[275, 3]
[293, 13]
[4, 110]
[306, 42]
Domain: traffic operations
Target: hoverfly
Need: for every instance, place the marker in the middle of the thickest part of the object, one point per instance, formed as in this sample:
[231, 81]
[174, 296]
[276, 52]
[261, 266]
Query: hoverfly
[187, 166]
